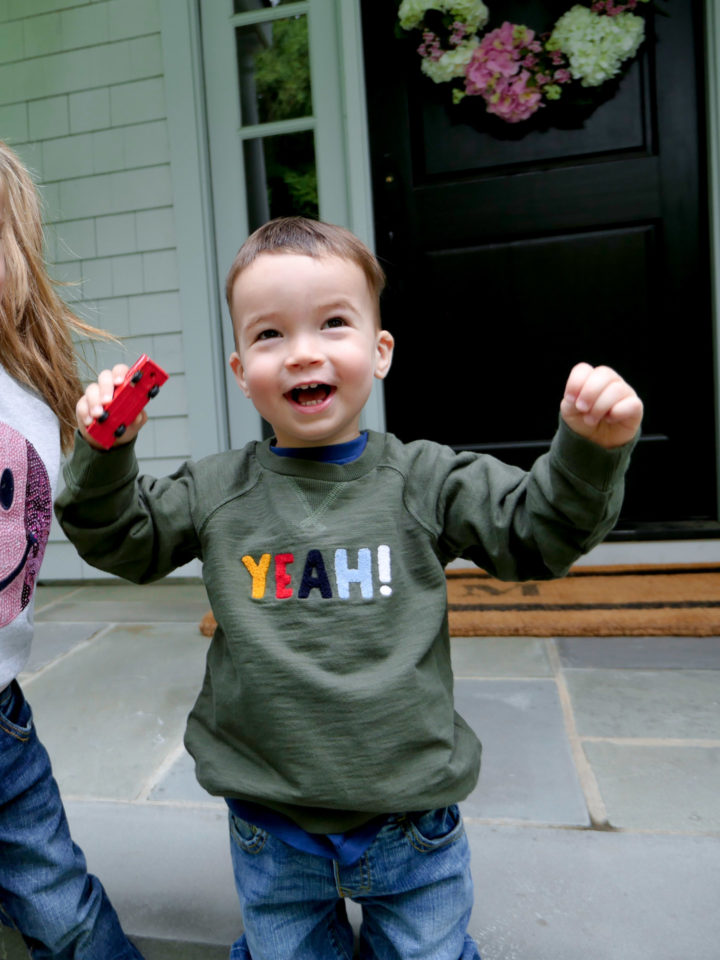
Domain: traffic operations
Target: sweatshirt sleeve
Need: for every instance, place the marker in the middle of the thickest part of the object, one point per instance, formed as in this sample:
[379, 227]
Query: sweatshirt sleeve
[521, 525]
[137, 527]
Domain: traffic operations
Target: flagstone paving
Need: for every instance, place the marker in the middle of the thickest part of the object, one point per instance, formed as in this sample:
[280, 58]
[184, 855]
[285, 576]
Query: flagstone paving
[594, 829]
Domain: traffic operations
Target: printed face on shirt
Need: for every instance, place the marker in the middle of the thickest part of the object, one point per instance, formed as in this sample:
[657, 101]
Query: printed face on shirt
[309, 345]
[25, 515]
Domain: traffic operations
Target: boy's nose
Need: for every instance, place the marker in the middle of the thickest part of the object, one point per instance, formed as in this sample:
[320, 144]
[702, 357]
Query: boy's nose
[304, 352]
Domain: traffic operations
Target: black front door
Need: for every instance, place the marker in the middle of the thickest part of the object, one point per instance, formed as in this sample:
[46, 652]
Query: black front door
[515, 250]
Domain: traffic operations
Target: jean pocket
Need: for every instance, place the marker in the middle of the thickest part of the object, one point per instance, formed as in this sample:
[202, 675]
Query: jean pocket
[15, 714]
[432, 829]
[246, 835]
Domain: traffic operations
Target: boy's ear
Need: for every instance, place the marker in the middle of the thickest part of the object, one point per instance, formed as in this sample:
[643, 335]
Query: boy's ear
[238, 371]
[384, 345]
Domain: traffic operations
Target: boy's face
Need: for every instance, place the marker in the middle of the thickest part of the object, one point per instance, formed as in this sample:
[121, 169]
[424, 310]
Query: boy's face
[308, 344]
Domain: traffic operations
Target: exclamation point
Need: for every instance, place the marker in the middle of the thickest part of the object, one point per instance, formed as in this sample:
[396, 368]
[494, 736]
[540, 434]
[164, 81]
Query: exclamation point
[384, 570]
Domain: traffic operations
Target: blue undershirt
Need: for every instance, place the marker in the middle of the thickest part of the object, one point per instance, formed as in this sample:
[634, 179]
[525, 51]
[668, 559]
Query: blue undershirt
[334, 453]
[346, 847]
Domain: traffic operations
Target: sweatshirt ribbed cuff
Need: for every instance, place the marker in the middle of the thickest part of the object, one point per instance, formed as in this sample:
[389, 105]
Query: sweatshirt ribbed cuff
[598, 466]
[89, 468]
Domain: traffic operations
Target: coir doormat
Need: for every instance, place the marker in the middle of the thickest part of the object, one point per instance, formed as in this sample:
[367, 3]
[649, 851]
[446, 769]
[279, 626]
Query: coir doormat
[669, 600]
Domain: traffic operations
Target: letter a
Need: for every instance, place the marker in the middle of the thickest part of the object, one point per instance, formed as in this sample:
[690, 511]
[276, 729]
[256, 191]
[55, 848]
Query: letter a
[314, 562]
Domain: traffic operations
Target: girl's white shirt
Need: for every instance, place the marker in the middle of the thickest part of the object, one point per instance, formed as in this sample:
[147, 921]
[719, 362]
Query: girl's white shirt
[22, 412]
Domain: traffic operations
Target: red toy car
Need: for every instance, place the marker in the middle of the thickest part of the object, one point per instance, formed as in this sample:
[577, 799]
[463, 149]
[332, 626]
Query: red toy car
[142, 383]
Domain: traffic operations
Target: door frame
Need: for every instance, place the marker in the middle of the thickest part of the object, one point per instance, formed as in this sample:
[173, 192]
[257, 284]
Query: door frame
[201, 321]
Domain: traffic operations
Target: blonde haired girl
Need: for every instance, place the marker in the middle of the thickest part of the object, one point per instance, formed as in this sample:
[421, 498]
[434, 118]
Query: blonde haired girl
[45, 890]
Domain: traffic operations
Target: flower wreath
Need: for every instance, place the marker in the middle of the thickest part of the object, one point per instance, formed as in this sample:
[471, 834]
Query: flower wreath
[514, 71]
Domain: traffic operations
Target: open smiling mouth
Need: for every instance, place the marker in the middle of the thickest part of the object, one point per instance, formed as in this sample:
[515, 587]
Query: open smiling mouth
[310, 394]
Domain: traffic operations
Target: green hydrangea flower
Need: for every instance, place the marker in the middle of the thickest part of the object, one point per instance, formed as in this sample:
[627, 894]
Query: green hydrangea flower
[473, 13]
[595, 45]
[451, 64]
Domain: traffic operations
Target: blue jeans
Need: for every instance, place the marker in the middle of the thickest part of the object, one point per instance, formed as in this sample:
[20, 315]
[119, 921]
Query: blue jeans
[45, 890]
[413, 884]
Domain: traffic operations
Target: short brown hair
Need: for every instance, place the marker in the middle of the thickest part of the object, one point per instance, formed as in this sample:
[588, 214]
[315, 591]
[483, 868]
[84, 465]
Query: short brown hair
[312, 238]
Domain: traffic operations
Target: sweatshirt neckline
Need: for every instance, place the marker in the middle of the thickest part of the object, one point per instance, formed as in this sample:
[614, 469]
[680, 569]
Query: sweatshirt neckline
[317, 470]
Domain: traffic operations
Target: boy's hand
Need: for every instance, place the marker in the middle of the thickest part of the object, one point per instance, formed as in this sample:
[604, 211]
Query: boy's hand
[599, 405]
[90, 405]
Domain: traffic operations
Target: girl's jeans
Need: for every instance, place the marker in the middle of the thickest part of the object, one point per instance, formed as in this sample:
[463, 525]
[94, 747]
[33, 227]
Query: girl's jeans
[413, 883]
[45, 890]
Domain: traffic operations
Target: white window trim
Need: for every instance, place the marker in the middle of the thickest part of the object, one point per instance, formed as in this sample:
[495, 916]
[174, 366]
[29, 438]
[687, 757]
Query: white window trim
[199, 300]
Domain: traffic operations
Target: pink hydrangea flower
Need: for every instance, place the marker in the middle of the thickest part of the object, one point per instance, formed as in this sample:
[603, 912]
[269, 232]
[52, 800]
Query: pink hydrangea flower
[459, 32]
[495, 57]
[496, 72]
[513, 101]
[611, 8]
[430, 47]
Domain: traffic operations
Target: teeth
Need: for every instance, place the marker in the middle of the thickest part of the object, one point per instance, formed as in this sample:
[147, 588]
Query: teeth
[307, 388]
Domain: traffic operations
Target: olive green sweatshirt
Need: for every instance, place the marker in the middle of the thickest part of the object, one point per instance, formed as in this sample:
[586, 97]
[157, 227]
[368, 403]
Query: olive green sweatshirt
[328, 692]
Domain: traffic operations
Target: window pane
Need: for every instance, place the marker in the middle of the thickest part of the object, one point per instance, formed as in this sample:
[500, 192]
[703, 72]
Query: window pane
[274, 70]
[280, 177]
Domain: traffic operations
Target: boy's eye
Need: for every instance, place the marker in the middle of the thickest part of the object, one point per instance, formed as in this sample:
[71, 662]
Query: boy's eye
[335, 322]
[267, 334]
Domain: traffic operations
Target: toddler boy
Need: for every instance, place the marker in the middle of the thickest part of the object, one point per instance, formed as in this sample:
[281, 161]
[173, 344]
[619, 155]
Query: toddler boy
[326, 715]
